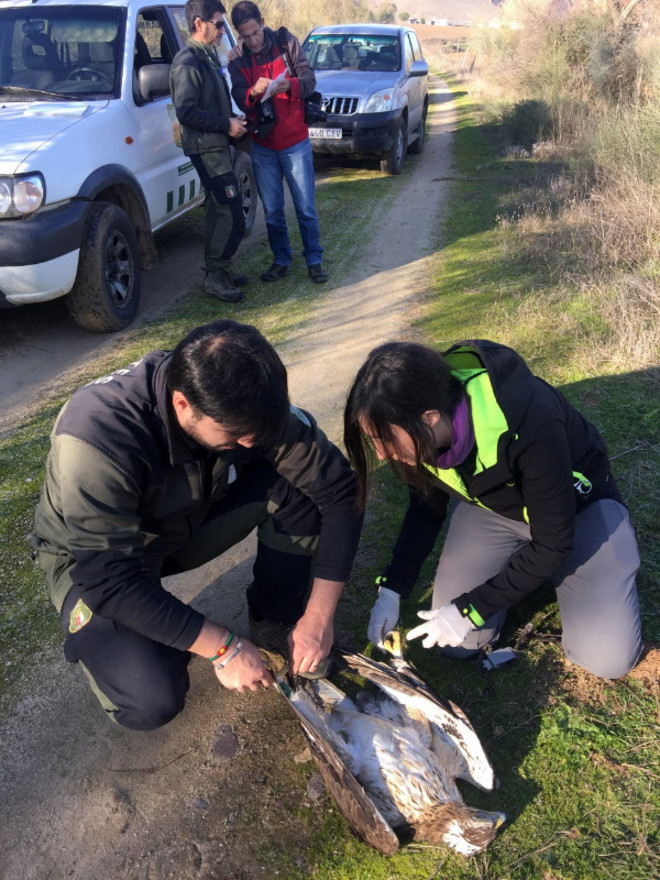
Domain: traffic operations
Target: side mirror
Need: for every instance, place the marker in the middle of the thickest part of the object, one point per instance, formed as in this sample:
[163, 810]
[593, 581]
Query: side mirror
[154, 81]
[419, 68]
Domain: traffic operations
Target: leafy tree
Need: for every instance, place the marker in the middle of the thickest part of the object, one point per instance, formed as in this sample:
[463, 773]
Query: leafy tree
[386, 13]
[404, 16]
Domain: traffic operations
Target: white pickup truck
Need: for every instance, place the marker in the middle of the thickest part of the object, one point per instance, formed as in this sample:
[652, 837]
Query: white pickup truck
[89, 161]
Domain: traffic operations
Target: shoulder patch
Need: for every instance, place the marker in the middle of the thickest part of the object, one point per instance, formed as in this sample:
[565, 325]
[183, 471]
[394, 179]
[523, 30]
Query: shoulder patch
[80, 616]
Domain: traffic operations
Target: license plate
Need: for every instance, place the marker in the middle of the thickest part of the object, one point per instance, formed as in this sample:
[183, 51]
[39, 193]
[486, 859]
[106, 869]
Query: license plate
[325, 133]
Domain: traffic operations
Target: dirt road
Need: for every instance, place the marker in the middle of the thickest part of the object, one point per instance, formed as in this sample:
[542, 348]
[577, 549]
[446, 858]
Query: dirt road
[218, 793]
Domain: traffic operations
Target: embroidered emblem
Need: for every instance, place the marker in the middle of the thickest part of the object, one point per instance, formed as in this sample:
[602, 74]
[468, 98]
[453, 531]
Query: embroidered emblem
[230, 191]
[80, 616]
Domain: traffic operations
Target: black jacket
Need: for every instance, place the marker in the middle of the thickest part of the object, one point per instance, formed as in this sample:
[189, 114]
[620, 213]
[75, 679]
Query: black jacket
[532, 479]
[126, 487]
[201, 99]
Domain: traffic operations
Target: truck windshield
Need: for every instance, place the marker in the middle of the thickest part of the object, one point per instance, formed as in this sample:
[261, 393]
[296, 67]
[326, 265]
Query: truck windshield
[70, 51]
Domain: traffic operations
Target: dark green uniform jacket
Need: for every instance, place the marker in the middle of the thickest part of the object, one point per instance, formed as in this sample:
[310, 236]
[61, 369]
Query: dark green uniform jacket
[201, 99]
[126, 487]
[536, 460]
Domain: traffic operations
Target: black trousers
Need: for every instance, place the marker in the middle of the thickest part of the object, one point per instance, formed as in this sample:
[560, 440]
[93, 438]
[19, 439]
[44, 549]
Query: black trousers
[142, 684]
[224, 220]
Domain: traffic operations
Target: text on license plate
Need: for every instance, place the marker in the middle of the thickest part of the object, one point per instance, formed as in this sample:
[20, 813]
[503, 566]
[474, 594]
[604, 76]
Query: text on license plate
[328, 133]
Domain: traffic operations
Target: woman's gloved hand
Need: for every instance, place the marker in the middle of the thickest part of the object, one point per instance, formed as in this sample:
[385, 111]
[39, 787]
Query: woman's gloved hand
[445, 627]
[384, 616]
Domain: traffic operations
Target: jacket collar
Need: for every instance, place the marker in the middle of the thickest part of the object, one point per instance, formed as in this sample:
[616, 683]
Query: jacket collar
[181, 448]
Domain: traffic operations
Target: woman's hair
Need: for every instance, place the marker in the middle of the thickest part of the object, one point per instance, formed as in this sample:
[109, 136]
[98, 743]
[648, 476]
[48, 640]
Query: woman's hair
[396, 385]
[232, 374]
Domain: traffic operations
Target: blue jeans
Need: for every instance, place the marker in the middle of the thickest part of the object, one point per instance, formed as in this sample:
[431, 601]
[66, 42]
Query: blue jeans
[296, 164]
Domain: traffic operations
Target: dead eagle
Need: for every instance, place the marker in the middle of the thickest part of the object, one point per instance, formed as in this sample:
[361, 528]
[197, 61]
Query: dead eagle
[390, 758]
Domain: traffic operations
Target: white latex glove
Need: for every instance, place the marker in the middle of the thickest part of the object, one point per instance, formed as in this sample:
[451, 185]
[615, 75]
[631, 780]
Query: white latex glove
[444, 626]
[384, 615]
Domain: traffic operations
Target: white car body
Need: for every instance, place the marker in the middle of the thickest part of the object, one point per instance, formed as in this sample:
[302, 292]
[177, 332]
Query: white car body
[116, 148]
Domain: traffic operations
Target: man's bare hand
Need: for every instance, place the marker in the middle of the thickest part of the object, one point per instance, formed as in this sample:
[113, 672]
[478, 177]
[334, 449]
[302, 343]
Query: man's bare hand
[310, 641]
[235, 52]
[237, 127]
[246, 671]
[260, 86]
[311, 638]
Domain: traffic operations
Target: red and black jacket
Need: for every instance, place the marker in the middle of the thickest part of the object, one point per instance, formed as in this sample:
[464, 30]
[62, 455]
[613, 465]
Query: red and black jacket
[290, 128]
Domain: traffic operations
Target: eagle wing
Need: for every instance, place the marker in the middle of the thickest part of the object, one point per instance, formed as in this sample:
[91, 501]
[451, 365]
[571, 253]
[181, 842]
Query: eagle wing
[353, 802]
[455, 740]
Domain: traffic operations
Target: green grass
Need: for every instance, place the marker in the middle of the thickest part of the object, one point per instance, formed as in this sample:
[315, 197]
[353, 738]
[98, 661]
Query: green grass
[577, 760]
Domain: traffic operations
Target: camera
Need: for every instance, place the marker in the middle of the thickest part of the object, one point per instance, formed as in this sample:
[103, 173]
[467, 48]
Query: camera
[266, 118]
[314, 112]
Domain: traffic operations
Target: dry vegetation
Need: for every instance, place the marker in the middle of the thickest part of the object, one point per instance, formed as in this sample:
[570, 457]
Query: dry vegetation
[580, 92]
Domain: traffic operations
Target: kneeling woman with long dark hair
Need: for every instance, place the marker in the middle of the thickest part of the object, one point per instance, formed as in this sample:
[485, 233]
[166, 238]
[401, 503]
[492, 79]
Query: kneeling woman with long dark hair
[534, 500]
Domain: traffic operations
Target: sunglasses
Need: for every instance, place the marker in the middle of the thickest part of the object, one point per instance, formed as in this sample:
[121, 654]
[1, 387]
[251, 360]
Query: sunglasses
[219, 25]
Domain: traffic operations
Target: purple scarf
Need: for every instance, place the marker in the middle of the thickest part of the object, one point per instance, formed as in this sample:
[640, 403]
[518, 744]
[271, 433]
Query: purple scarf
[462, 437]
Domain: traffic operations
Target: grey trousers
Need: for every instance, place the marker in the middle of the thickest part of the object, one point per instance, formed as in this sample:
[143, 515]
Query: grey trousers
[598, 605]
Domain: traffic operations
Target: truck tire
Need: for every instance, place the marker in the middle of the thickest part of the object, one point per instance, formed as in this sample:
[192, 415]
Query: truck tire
[106, 294]
[248, 187]
[392, 161]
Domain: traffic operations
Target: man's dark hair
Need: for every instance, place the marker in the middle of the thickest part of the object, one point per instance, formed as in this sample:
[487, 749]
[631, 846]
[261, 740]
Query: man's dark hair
[244, 11]
[232, 374]
[204, 9]
[396, 385]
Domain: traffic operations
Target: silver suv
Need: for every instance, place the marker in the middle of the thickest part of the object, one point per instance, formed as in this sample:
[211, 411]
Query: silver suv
[374, 81]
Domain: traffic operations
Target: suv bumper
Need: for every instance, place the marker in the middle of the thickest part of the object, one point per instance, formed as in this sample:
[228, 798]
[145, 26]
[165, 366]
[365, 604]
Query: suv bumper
[39, 254]
[362, 133]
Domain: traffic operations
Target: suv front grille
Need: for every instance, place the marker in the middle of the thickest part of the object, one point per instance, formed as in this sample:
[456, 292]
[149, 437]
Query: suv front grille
[340, 106]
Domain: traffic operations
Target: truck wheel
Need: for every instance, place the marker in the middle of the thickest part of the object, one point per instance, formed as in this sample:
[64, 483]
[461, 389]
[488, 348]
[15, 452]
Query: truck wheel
[248, 187]
[392, 161]
[106, 294]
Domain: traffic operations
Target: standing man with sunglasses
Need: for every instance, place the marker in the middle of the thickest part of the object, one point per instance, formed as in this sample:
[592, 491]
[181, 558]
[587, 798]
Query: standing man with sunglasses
[203, 107]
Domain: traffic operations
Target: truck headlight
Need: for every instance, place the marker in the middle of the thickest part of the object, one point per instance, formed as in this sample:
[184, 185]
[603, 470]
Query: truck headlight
[21, 195]
[380, 102]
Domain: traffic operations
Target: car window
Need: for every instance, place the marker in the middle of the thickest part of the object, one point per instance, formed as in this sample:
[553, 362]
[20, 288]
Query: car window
[153, 42]
[337, 51]
[417, 49]
[70, 51]
[410, 55]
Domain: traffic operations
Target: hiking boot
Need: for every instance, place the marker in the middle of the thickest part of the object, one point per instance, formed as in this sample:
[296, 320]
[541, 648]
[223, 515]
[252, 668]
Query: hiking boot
[237, 278]
[317, 274]
[219, 283]
[269, 634]
[275, 272]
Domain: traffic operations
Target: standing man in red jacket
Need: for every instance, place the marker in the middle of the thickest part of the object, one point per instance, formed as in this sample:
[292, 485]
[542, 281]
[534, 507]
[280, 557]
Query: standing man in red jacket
[285, 152]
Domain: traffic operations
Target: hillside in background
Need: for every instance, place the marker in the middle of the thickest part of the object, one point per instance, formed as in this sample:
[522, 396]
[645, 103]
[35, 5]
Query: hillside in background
[453, 10]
